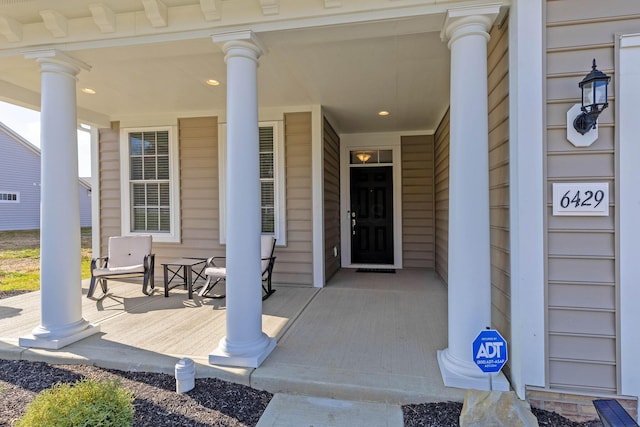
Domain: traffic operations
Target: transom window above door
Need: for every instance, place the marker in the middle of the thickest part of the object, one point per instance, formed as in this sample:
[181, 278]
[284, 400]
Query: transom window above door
[370, 157]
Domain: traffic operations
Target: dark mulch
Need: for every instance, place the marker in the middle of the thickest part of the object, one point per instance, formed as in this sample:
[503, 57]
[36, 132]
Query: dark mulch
[447, 414]
[211, 403]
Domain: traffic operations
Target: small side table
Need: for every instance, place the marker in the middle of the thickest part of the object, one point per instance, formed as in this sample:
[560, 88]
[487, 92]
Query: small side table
[183, 268]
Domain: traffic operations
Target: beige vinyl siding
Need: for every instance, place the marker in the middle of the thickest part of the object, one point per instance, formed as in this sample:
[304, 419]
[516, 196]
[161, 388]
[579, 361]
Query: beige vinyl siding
[199, 195]
[109, 172]
[582, 283]
[441, 191]
[331, 199]
[294, 263]
[418, 236]
[498, 89]
[199, 210]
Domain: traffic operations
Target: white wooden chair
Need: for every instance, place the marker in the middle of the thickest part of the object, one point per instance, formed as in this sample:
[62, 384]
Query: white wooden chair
[129, 256]
[218, 273]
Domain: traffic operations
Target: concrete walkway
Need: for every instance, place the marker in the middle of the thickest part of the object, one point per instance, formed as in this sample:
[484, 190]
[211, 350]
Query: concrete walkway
[286, 410]
[368, 337]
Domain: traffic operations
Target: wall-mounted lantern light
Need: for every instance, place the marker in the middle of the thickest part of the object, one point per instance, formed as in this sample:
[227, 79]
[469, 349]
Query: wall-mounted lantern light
[582, 118]
[594, 99]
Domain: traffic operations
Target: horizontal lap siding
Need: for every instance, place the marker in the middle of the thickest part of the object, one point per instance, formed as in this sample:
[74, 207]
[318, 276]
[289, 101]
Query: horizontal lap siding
[331, 199]
[19, 173]
[441, 192]
[199, 206]
[418, 234]
[582, 282]
[109, 166]
[498, 87]
[294, 263]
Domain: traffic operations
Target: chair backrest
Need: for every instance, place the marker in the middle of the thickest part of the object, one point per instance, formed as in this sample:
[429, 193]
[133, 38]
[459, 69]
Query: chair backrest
[128, 250]
[267, 245]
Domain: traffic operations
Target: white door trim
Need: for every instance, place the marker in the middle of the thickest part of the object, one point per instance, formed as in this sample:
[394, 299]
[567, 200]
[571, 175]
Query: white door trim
[381, 141]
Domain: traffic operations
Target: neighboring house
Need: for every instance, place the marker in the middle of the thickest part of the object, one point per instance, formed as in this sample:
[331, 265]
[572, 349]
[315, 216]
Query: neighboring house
[20, 185]
[459, 177]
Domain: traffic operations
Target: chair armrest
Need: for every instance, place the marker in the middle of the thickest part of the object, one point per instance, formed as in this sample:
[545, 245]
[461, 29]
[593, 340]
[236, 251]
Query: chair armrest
[103, 264]
[211, 261]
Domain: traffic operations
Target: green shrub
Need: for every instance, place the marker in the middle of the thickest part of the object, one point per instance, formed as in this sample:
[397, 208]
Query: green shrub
[87, 403]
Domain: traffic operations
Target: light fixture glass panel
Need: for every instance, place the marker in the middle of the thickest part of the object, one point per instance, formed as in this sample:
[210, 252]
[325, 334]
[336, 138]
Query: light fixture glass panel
[601, 92]
[587, 94]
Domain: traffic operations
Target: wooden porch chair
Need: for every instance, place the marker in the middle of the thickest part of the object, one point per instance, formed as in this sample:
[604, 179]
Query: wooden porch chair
[218, 273]
[129, 256]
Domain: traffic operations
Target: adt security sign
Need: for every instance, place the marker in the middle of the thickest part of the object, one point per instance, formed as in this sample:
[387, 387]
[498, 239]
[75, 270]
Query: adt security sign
[490, 351]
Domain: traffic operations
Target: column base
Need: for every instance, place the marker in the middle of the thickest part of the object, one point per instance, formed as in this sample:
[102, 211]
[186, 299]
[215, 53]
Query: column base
[55, 340]
[249, 357]
[460, 374]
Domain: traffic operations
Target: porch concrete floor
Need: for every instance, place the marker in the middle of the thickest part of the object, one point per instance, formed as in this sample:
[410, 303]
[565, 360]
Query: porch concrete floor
[366, 336]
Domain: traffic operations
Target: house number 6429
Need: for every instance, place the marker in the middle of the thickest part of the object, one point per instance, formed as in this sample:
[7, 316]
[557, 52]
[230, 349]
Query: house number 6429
[581, 199]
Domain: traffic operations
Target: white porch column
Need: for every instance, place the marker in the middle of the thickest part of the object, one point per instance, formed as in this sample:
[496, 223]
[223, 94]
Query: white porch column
[466, 30]
[245, 344]
[60, 279]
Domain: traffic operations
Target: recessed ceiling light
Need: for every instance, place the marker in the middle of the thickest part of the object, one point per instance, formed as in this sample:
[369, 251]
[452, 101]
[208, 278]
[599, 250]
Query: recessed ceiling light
[88, 90]
[212, 82]
[383, 113]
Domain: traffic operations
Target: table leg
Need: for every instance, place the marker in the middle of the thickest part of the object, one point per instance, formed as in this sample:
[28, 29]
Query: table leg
[166, 281]
[189, 277]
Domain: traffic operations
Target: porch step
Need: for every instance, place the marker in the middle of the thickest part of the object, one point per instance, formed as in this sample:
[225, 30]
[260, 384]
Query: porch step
[288, 410]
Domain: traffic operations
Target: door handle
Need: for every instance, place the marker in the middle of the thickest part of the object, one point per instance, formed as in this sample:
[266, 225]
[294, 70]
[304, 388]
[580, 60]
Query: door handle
[353, 223]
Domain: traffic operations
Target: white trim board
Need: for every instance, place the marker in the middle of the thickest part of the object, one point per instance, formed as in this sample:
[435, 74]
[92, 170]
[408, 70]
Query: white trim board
[526, 191]
[628, 202]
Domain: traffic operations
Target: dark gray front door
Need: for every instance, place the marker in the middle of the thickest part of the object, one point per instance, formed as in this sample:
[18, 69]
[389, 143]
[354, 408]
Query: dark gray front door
[372, 215]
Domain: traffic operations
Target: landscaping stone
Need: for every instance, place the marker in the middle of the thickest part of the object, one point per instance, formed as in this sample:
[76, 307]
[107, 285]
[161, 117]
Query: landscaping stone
[495, 408]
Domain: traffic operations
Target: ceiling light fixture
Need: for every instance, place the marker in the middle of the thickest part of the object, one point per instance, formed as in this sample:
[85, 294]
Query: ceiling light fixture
[88, 90]
[363, 157]
[212, 82]
[383, 113]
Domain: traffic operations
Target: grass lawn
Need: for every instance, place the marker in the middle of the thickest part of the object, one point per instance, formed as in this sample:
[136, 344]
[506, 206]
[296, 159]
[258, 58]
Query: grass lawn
[20, 259]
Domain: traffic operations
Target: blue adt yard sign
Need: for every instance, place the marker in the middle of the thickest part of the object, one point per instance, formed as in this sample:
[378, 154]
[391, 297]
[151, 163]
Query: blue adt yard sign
[490, 351]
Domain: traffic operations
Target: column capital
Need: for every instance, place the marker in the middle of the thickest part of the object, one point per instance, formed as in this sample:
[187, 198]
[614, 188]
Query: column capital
[58, 59]
[240, 43]
[474, 20]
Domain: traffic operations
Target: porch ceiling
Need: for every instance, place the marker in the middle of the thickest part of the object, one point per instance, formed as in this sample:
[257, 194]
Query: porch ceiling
[354, 70]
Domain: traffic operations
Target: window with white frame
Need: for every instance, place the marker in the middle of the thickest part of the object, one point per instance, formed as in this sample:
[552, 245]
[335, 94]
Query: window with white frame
[9, 197]
[149, 170]
[272, 182]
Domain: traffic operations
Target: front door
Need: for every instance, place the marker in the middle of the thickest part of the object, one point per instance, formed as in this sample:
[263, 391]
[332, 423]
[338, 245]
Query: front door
[372, 215]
